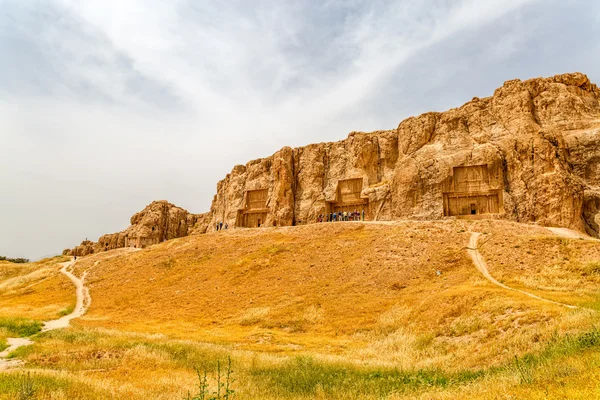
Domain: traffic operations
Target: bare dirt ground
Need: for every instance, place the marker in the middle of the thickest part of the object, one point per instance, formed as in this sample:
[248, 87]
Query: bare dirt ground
[83, 302]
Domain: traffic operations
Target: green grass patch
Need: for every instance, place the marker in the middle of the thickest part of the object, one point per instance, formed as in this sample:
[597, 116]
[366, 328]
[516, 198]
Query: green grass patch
[21, 327]
[66, 311]
[3, 344]
[305, 376]
[559, 347]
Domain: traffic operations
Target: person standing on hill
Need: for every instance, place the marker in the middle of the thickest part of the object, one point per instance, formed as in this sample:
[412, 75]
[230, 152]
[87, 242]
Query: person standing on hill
[221, 225]
[363, 214]
[226, 225]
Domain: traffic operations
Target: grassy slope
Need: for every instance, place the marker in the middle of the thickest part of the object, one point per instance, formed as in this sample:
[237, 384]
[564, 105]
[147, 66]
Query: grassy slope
[561, 269]
[34, 290]
[363, 295]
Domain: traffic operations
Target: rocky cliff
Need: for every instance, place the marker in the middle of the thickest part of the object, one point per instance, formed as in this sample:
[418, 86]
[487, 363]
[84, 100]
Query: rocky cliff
[529, 153]
[539, 138]
[156, 223]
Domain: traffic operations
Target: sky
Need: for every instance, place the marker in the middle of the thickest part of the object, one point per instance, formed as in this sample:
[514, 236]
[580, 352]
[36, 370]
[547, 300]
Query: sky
[107, 105]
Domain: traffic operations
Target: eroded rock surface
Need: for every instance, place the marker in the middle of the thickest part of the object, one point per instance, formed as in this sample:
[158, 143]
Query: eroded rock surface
[532, 152]
[156, 223]
[541, 135]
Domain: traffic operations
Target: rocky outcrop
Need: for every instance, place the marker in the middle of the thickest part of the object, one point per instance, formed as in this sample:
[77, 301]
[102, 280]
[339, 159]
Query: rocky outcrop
[156, 223]
[541, 136]
[529, 153]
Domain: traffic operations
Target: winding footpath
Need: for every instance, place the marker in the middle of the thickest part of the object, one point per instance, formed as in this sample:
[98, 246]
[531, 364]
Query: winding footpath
[82, 304]
[480, 264]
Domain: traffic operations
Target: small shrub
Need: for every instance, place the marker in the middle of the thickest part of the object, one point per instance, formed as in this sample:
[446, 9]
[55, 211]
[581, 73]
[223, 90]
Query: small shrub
[26, 389]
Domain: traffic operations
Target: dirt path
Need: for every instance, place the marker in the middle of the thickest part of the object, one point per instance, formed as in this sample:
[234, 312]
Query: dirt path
[569, 233]
[482, 267]
[83, 302]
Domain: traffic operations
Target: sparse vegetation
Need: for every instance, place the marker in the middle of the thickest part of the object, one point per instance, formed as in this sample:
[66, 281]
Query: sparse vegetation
[322, 312]
[26, 386]
[21, 327]
[66, 311]
[223, 391]
[14, 260]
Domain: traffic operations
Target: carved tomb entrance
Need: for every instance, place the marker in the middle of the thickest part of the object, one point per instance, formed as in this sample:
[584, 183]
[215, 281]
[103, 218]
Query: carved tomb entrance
[472, 193]
[255, 210]
[348, 197]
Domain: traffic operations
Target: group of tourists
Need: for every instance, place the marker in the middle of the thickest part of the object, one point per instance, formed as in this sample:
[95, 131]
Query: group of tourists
[220, 226]
[327, 217]
[342, 216]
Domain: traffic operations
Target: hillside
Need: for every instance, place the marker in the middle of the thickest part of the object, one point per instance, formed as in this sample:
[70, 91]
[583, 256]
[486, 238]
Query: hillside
[34, 290]
[346, 289]
[356, 298]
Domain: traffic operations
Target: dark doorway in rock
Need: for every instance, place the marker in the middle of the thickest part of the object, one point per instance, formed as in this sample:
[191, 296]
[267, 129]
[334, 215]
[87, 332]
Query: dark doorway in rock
[473, 209]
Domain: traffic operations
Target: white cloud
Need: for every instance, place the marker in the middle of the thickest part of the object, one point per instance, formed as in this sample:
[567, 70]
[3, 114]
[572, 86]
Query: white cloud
[107, 105]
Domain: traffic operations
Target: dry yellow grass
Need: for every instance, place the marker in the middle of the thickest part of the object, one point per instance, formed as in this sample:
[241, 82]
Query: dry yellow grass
[35, 290]
[360, 299]
[533, 259]
[365, 292]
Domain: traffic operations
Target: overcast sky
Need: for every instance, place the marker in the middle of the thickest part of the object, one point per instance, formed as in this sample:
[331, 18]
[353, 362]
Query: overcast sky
[106, 105]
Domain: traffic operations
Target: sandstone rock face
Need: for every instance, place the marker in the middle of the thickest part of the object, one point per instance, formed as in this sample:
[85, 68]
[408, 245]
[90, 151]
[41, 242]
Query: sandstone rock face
[535, 143]
[156, 223]
[529, 153]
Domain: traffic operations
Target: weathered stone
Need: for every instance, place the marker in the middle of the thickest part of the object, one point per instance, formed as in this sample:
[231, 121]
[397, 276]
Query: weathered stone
[542, 136]
[531, 152]
[156, 223]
